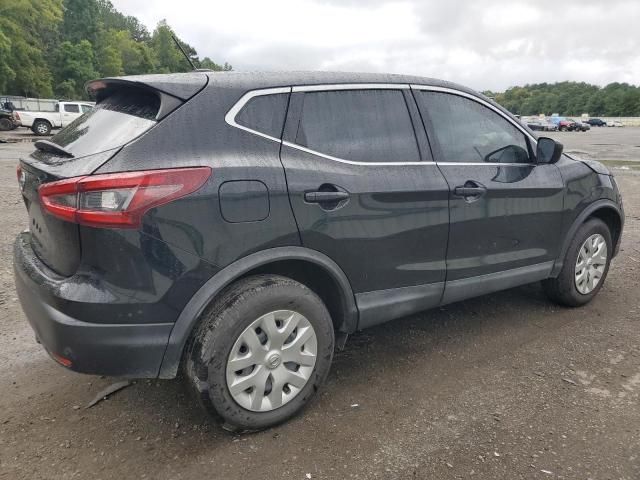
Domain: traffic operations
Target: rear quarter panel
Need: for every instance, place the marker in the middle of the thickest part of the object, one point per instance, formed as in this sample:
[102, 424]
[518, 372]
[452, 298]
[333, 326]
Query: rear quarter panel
[196, 134]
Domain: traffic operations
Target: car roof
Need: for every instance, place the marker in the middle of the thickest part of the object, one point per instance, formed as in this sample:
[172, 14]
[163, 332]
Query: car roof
[184, 85]
[255, 80]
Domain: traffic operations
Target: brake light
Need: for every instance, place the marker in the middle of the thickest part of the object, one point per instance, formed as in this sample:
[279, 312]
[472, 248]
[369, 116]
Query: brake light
[118, 200]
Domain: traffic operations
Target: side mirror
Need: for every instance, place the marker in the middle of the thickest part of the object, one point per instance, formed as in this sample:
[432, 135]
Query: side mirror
[548, 150]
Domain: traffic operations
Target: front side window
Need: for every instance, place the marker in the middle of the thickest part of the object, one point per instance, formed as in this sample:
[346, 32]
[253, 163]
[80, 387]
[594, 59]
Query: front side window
[72, 107]
[86, 108]
[467, 131]
[358, 125]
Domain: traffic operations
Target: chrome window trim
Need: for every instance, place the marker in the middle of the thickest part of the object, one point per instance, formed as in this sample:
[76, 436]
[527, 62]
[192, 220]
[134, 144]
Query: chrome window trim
[230, 118]
[351, 86]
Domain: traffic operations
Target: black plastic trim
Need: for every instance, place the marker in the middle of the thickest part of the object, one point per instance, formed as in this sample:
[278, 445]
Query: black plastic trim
[203, 297]
[580, 219]
[380, 306]
[465, 288]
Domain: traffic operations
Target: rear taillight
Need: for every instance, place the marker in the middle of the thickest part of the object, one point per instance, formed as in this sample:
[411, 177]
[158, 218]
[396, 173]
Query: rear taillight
[118, 200]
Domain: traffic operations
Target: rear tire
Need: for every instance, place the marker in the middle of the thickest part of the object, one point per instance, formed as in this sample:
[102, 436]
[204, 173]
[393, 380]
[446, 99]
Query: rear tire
[41, 127]
[583, 272]
[241, 342]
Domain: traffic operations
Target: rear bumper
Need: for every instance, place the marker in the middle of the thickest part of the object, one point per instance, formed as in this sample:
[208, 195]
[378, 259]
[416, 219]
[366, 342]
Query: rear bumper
[129, 350]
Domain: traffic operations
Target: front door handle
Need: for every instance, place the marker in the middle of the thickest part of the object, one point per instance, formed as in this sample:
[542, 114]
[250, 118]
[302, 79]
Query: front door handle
[470, 191]
[322, 197]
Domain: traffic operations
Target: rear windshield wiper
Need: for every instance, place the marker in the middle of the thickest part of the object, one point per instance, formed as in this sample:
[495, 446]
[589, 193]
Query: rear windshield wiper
[47, 146]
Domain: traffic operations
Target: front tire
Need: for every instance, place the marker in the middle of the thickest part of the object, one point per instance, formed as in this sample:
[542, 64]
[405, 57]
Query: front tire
[261, 352]
[585, 266]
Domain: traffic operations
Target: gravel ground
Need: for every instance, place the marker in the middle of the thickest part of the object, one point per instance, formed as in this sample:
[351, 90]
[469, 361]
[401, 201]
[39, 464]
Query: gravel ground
[503, 386]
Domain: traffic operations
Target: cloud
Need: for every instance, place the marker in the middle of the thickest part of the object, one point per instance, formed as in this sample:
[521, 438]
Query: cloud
[481, 43]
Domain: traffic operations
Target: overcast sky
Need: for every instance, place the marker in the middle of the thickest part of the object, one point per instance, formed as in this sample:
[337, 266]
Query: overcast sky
[480, 43]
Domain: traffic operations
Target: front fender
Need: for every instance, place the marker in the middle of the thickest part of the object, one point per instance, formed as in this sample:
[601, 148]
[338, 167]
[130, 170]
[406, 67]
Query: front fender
[579, 220]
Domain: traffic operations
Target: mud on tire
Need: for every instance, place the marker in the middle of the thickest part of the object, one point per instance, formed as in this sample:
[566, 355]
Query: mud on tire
[218, 333]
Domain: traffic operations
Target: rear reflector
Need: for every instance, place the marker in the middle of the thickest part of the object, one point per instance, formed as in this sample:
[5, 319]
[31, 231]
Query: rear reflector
[65, 362]
[118, 200]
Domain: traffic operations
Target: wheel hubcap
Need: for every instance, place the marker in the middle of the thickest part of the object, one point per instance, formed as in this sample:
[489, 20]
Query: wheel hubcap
[591, 262]
[272, 360]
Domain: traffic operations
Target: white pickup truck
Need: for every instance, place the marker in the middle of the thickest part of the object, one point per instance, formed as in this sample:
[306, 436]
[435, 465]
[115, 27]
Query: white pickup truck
[42, 122]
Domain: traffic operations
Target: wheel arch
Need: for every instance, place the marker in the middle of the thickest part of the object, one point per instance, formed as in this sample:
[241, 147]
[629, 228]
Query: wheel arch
[39, 119]
[607, 211]
[307, 266]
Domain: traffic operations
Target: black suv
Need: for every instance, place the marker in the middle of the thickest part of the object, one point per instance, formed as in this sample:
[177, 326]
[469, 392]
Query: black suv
[237, 227]
[596, 122]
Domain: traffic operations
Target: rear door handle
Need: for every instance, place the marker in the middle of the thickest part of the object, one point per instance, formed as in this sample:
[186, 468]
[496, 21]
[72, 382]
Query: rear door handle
[321, 197]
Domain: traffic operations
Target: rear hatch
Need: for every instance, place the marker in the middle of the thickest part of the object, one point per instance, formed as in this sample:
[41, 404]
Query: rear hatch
[125, 109]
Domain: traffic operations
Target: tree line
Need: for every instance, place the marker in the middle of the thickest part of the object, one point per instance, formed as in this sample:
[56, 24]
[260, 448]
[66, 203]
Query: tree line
[571, 98]
[53, 47]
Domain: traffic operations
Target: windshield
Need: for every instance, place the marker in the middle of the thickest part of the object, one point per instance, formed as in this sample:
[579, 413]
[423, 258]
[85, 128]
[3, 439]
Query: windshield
[116, 120]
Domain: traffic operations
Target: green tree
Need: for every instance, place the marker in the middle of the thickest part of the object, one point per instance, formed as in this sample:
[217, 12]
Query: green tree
[65, 43]
[74, 67]
[168, 56]
[211, 65]
[572, 98]
[113, 19]
[80, 21]
[27, 29]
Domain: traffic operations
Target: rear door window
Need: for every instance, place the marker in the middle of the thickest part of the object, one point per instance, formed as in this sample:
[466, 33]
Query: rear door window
[358, 125]
[114, 121]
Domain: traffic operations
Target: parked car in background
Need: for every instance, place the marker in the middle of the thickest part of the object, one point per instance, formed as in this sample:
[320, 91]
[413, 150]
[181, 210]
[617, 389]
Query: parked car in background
[237, 227]
[596, 122]
[579, 125]
[564, 124]
[8, 120]
[615, 123]
[42, 122]
[541, 125]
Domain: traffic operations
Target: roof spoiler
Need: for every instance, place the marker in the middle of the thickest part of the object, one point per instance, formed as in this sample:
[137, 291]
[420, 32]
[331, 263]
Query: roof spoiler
[173, 89]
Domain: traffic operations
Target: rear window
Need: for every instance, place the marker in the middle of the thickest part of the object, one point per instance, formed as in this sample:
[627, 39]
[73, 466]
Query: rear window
[265, 114]
[114, 121]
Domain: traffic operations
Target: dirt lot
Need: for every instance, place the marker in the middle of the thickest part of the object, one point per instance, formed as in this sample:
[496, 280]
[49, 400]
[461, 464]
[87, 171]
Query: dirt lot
[503, 386]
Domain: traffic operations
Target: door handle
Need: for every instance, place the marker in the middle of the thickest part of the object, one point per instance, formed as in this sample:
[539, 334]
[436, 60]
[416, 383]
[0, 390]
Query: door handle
[470, 190]
[321, 197]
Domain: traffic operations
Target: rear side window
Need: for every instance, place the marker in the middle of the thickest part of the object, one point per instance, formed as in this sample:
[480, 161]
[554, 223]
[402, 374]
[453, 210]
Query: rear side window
[72, 108]
[115, 120]
[265, 114]
[358, 125]
[467, 131]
